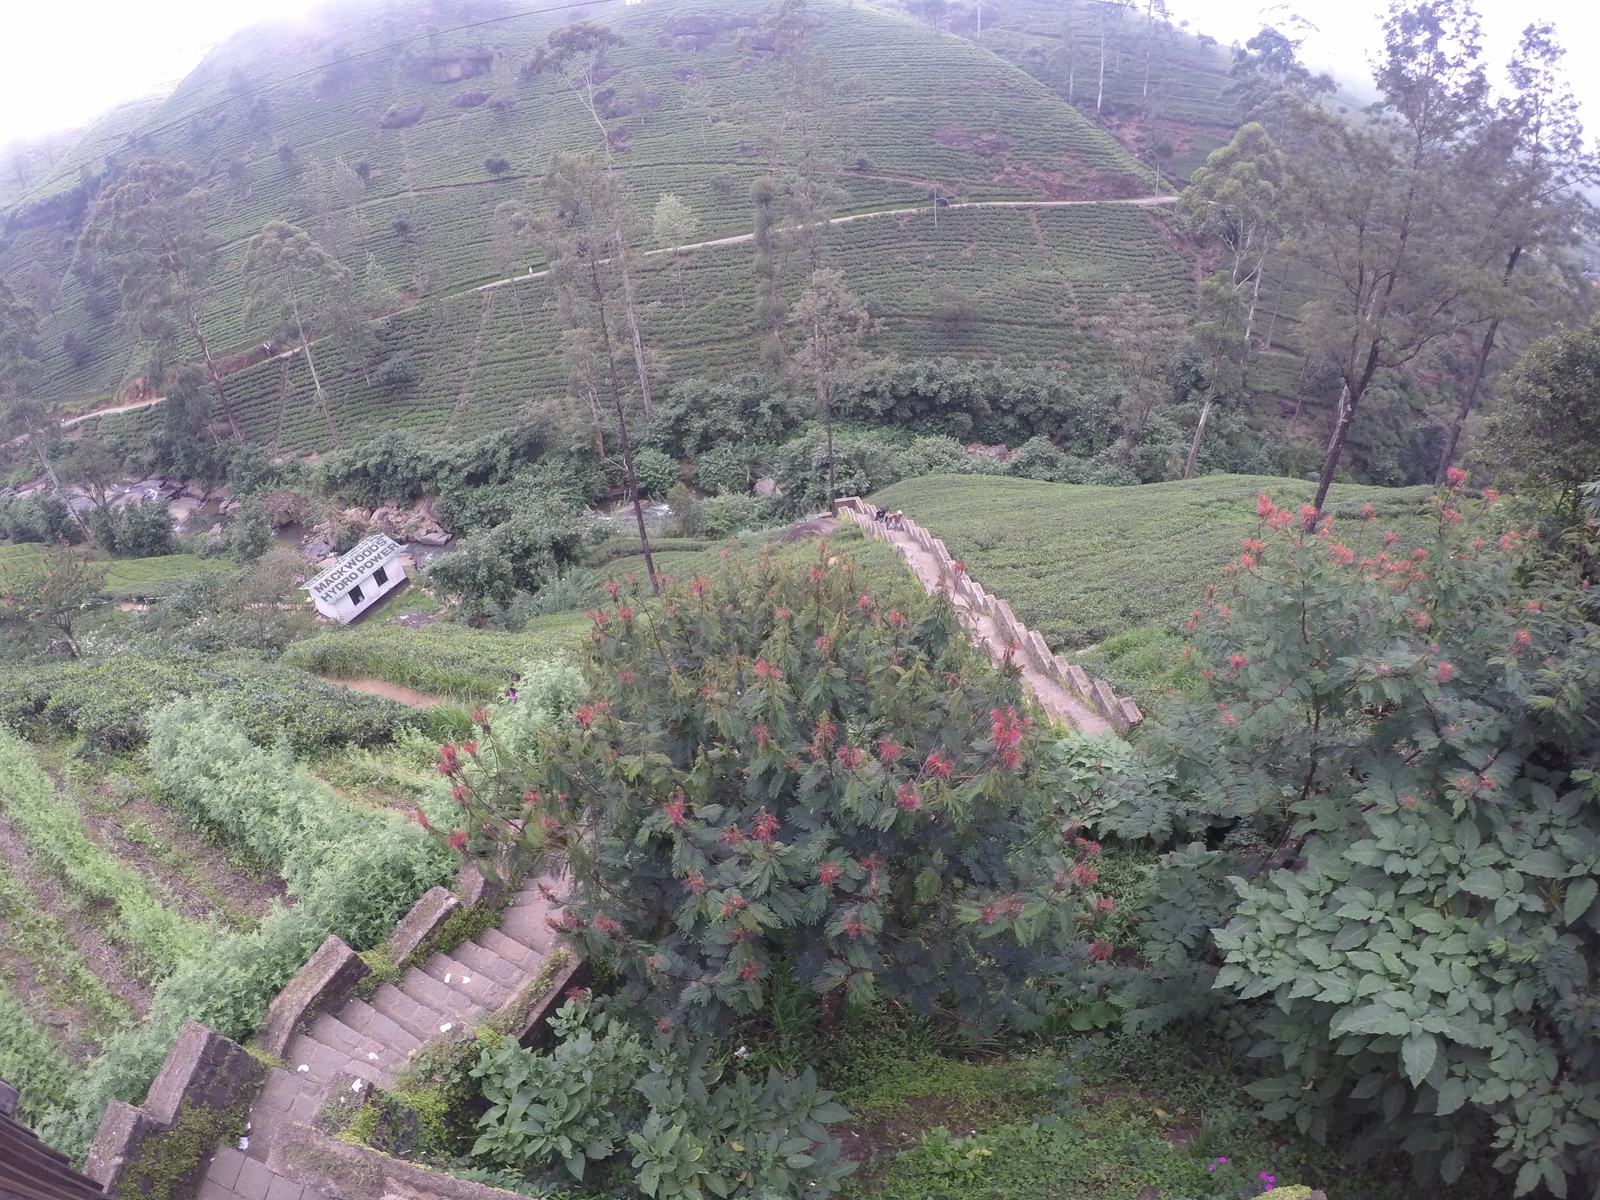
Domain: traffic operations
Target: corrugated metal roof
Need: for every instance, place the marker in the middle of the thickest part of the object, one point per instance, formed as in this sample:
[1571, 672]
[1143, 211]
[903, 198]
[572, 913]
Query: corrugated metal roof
[351, 569]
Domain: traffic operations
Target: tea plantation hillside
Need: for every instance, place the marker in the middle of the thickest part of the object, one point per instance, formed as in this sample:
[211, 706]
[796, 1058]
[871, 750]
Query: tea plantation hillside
[1082, 563]
[378, 135]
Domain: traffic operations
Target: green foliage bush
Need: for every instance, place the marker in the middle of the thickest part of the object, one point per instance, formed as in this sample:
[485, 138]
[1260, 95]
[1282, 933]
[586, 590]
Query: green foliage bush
[142, 529]
[607, 1112]
[699, 417]
[52, 827]
[37, 518]
[1388, 779]
[106, 702]
[655, 471]
[780, 770]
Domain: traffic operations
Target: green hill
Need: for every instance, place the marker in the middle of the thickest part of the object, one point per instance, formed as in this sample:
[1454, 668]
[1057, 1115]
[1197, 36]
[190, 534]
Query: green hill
[289, 122]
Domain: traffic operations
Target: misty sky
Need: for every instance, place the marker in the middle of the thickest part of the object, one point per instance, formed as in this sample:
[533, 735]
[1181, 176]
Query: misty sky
[76, 59]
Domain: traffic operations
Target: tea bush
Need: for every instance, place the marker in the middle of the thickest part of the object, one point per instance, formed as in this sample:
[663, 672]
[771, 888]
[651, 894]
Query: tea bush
[30, 1061]
[106, 702]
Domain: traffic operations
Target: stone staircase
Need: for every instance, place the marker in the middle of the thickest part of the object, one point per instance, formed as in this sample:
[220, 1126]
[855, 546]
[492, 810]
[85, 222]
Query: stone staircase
[333, 1038]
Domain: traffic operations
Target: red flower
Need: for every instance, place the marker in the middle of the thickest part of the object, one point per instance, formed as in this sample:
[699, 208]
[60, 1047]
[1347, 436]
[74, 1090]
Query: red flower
[765, 671]
[1519, 641]
[447, 758]
[457, 840]
[906, 797]
[764, 827]
[1340, 554]
[958, 567]
[1455, 477]
[1368, 511]
[1100, 951]
[1105, 906]
[853, 926]
[421, 818]
[626, 614]
[675, 810]
[1490, 497]
[895, 619]
[530, 798]
[611, 589]
[1445, 672]
[731, 837]
[850, 756]
[749, 970]
[696, 882]
[624, 676]
[584, 715]
[828, 873]
[822, 738]
[888, 750]
[825, 645]
[864, 602]
[1264, 505]
[763, 736]
[938, 765]
[459, 795]
[732, 906]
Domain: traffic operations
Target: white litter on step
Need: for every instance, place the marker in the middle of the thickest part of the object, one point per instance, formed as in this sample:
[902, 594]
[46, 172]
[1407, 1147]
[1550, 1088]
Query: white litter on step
[302, 1067]
[445, 1028]
[371, 1056]
[244, 1143]
[447, 976]
[466, 979]
[356, 1086]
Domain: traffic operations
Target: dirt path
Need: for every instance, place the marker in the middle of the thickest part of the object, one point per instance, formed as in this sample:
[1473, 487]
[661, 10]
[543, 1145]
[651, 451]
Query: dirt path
[986, 635]
[390, 691]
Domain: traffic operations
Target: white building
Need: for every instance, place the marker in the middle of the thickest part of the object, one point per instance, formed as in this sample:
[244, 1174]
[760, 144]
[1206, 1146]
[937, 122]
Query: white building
[358, 580]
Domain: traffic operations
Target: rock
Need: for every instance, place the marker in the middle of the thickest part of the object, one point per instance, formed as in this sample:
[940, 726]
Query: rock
[61, 647]
[414, 620]
[315, 549]
[768, 486]
[193, 491]
[284, 508]
[183, 508]
[429, 534]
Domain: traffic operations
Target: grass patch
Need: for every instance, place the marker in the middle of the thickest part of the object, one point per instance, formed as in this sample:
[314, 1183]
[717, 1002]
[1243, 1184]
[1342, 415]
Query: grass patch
[30, 1060]
[1082, 564]
[468, 665]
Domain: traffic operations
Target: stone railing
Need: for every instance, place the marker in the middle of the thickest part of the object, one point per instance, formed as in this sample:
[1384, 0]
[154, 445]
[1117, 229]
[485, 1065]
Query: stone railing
[1121, 713]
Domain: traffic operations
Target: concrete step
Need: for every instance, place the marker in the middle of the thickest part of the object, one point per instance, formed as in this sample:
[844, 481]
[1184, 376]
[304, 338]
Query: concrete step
[456, 975]
[315, 1061]
[378, 1061]
[420, 1019]
[507, 974]
[530, 925]
[456, 1006]
[525, 958]
[364, 1019]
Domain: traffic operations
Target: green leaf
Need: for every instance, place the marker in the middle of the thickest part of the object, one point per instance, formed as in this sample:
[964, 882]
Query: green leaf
[1418, 1053]
[1485, 882]
[1580, 895]
[1451, 1096]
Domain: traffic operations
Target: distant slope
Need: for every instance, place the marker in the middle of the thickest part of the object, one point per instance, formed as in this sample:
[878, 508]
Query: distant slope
[1081, 563]
[274, 116]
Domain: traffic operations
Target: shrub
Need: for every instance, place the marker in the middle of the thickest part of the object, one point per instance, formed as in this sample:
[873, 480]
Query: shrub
[496, 164]
[1392, 759]
[655, 471]
[863, 463]
[106, 702]
[142, 529]
[37, 518]
[475, 575]
[30, 1060]
[697, 416]
[603, 1097]
[777, 770]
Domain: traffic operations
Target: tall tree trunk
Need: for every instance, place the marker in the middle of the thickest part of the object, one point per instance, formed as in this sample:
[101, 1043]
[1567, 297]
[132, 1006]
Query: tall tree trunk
[827, 421]
[214, 375]
[599, 295]
[316, 381]
[55, 485]
[1199, 431]
[629, 308]
[1100, 90]
[1276, 304]
[1447, 456]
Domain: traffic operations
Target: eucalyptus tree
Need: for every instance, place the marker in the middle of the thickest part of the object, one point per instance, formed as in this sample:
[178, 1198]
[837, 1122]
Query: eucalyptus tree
[1233, 200]
[148, 232]
[1381, 213]
[1533, 176]
[1145, 343]
[291, 282]
[575, 54]
[832, 323]
[585, 220]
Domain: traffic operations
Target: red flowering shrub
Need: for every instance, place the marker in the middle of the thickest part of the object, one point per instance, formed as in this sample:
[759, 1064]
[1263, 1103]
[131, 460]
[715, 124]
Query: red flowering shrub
[1388, 791]
[769, 772]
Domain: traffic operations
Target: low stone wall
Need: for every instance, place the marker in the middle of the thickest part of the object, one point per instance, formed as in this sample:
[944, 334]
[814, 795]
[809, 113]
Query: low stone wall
[159, 1150]
[1121, 713]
